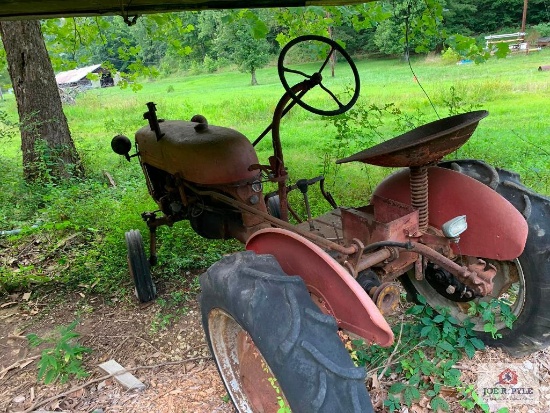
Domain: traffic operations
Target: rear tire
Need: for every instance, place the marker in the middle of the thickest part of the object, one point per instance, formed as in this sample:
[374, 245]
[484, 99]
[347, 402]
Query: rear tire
[139, 267]
[250, 294]
[530, 332]
[274, 206]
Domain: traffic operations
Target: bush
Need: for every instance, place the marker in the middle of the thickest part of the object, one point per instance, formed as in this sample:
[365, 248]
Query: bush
[542, 29]
[210, 65]
[450, 56]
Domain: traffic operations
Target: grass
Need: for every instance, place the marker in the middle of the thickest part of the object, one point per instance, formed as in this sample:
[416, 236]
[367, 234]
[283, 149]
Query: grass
[515, 136]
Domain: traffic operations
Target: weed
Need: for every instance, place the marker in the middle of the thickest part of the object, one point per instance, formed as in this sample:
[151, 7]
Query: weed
[64, 359]
[470, 400]
[363, 126]
[429, 345]
[457, 104]
[170, 310]
[281, 402]
[491, 312]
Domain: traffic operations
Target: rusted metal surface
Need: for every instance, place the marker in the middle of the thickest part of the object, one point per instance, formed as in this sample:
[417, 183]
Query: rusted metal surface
[483, 278]
[319, 240]
[419, 194]
[336, 290]
[475, 275]
[254, 374]
[386, 298]
[423, 145]
[370, 260]
[496, 229]
[362, 223]
[383, 220]
[211, 157]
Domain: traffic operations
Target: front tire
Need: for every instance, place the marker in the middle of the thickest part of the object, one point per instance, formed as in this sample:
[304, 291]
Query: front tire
[530, 331]
[139, 267]
[257, 318]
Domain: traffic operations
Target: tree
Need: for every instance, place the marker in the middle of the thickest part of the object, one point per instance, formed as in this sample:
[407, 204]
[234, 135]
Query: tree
[238, 42]
[46, 143]
[418, 21]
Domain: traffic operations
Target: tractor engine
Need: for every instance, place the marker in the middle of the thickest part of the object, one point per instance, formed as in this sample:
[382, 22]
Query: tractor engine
[186, 164]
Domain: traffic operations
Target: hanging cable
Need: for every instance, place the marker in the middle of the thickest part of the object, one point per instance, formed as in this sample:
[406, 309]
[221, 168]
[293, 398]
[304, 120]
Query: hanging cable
[407, 55]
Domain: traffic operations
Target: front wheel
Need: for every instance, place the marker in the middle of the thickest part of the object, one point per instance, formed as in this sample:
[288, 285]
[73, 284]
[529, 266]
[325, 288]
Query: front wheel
[524, 283]
[139, 267]
[273, 347]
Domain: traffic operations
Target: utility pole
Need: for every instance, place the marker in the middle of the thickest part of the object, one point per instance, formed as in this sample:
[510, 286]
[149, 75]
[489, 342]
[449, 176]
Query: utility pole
[524, 17]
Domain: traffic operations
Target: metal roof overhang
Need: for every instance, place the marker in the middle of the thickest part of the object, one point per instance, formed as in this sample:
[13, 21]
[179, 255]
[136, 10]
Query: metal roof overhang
[43, 9]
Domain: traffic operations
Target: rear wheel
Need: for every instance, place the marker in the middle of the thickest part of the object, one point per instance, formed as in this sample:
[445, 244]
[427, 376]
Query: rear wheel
[273, 347]
[274, 206]
[524, 283]
[139, 267]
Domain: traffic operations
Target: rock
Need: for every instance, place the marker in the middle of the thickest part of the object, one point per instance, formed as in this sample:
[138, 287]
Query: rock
[19, 399]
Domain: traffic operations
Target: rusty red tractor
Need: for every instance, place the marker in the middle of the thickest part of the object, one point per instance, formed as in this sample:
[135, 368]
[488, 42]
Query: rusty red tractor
[452, 231]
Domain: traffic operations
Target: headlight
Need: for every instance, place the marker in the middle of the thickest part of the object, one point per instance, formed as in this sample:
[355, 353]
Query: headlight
[454, 227]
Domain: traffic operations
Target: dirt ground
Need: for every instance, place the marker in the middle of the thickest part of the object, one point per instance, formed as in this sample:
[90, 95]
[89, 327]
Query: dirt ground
[178, 372]
[161, 343]
[174, 361]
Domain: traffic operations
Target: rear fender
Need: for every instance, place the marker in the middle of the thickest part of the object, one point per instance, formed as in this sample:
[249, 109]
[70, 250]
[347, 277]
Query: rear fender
[496, 230]
[334, 289]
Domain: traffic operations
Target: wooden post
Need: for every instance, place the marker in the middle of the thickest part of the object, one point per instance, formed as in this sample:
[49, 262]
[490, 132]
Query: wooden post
[524, 17]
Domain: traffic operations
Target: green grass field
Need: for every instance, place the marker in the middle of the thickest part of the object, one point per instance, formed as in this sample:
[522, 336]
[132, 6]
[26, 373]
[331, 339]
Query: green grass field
[515, 136]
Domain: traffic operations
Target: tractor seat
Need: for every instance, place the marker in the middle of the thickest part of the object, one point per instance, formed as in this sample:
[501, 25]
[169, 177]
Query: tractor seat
[423, 145]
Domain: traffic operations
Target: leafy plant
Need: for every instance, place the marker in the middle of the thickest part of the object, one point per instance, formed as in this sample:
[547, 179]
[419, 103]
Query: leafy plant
[171, 309]
[283, 407]
[364, 125]
[456, 104]
[471, 400]
[492, 312]
[429, 345]
[64, 359]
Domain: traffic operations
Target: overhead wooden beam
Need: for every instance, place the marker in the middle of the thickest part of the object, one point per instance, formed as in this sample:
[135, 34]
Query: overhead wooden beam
[43, 9]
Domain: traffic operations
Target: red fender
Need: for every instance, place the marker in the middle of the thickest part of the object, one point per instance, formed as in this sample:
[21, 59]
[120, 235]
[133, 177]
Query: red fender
[336, 290]
[496, 230]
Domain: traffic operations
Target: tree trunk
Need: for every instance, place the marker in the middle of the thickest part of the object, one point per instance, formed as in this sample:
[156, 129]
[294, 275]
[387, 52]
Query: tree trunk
[253, 82]
[48, 150]
[333, 55]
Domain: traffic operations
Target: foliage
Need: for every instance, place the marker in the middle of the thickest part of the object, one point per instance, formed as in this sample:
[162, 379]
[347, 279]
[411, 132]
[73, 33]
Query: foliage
[283, 407]
[8, 128]
[418, 22]
[173, 307]
[64, 359]
[456, 104]
[491, 312]
[238, 41]
[471, 400]
[364, 125]
[430, 343]
[543, 29]
[450, 56]
[99, 214]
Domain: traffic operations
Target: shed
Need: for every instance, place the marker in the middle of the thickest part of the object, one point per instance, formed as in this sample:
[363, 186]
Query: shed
[78, 77]
[543, 41]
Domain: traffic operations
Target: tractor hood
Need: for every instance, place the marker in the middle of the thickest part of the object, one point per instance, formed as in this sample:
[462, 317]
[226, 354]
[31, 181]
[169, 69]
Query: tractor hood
[202, 153]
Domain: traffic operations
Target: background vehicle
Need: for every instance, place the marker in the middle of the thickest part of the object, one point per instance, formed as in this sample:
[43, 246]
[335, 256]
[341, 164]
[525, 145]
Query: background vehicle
[454, 232]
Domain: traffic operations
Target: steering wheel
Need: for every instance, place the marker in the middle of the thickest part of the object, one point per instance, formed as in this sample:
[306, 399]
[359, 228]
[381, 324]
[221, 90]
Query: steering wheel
[317, 78]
